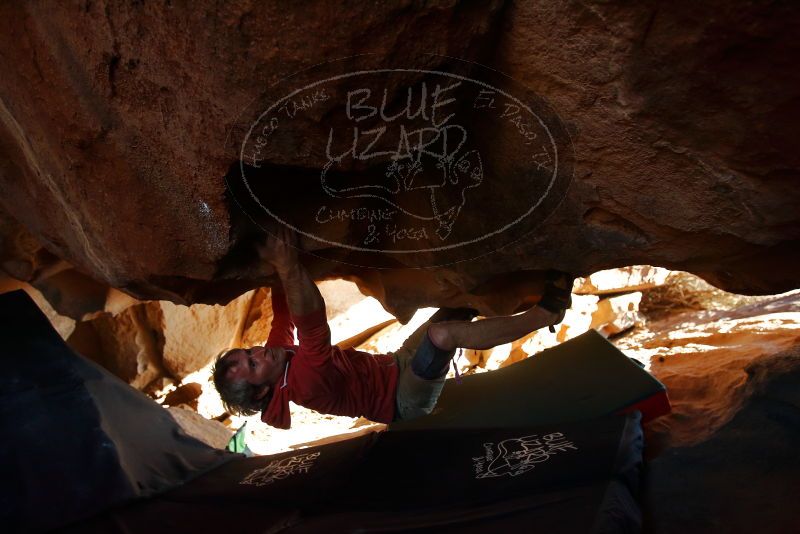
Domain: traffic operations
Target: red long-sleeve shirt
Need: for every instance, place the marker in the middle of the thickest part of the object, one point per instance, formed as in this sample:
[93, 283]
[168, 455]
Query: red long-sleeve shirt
[324, 377]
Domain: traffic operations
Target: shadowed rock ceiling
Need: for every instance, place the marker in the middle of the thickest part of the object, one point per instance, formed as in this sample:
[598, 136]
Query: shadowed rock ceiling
[119, 124]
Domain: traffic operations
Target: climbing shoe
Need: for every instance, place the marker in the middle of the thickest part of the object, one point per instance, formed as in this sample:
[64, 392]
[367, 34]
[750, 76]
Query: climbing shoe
[557, 297]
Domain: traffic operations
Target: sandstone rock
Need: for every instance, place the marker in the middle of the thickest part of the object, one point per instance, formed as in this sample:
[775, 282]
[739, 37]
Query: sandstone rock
[750, 464]
[621, 280]
[152, 339]
[63, 325]
[365, 315]
[351, 314]
[73, 293]
[576, 321]
[686, 292]
[255, 326]
[117, 301]
[144, 341]
[184, 394]
[194, 336]
[683, 157]
[712, 361]
[159, 387]
[392, 337]
[212, 433]
[470, 360]
[617, 314]
[365, 335]
[340, 296]
[68, 292]
[128, 344]
[21, 254]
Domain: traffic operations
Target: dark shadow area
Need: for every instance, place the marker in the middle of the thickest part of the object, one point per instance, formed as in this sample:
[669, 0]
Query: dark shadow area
[745, 479]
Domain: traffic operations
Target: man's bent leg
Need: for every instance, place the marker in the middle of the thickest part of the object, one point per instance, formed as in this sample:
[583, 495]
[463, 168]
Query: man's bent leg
[416, 395]
[431, 361]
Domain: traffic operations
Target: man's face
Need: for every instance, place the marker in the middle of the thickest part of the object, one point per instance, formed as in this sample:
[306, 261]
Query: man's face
[259, 366]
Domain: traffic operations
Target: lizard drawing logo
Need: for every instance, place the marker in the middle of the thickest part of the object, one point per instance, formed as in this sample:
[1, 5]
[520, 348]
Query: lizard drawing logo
[516, 456]
[436, 195]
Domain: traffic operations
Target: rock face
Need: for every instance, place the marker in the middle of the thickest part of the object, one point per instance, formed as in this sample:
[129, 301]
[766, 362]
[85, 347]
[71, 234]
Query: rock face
[150, 340]
[63, 325]
[210, 432]
[119, 123]
[615, 315]
[624, 279]
[128, 345]
[713, 361]
[741, 478]
[184, 394]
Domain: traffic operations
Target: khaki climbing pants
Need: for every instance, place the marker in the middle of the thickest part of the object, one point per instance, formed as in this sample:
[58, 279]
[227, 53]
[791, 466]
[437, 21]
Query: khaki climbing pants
[415, 396]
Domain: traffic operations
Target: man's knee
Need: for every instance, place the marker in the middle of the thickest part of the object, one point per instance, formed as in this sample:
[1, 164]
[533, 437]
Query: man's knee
[441, 335]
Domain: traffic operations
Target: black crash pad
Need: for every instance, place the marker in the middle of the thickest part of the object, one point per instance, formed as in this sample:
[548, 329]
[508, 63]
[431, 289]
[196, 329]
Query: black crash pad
[561, 478]
[76, 439]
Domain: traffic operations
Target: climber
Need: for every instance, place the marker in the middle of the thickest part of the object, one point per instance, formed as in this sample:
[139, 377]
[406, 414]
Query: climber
[325, 378]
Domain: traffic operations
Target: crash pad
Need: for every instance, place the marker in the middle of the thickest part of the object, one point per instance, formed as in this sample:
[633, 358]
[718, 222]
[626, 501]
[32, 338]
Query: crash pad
[562, 478]
[76, 439]
[583, 378]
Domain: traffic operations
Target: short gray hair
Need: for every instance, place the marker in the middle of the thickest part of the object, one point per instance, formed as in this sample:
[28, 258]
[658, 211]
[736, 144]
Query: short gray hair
[238, 396]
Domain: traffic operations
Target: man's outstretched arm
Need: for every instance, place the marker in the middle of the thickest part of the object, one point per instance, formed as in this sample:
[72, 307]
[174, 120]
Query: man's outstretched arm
[282, 329]
[305, 302]
[302, 295]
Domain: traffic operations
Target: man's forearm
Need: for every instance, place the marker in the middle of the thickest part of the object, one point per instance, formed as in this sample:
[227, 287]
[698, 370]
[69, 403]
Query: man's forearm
[302, 295]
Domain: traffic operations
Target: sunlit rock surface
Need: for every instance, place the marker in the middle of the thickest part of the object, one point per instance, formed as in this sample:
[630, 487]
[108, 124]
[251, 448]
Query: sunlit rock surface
[148, 340]
[208, 431]
[712, 361]
[624, 279]
[63, 325]
[617, 314]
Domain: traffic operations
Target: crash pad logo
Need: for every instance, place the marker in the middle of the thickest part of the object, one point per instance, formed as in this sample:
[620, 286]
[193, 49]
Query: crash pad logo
[280, 469]
[514, 457]
[438, 165]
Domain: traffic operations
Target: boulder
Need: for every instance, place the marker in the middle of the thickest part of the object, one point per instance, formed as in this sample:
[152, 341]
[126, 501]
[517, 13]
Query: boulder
[392, 337]
[155, 339]
[212, 433]
[621, 280]
[361, 317]
[255, 326]
[129, 344]
[741, 479]
[159, 387]
[617, 314]
[194, 335]
[340, 296]
[184, 394]
[63, 325]
[119, 126]
[117, 301]
[712, 361]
